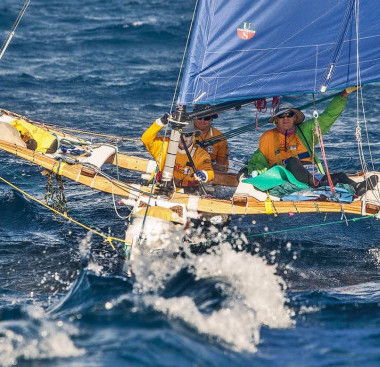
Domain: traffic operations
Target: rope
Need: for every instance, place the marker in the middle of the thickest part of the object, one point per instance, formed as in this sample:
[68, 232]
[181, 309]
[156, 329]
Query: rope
[318, 132]
[261, 106]
[108, 239]
[261, 122]
[312, 226]
[63, 208]
[144, 219]
[85, 132]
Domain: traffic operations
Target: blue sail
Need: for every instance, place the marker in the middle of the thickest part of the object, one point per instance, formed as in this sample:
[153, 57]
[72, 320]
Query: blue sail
[242, 49]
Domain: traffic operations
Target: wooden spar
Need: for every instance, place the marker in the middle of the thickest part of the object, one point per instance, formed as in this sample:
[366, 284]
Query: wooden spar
[143, 165]
[236, 206]
[251, 206]
[124, 161]
[75, 172]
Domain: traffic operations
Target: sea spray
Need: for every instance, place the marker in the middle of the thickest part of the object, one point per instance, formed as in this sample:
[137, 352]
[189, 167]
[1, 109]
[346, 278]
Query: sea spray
[253, 295]
[35, 337]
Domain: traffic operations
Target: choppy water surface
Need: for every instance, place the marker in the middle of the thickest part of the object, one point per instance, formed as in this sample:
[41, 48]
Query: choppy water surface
[300, 298]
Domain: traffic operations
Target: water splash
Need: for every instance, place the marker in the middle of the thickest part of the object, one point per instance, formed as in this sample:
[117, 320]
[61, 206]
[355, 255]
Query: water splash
[253, 295]
[34, 337]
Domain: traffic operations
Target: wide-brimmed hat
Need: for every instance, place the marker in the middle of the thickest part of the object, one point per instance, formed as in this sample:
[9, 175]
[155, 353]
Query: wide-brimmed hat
[190, 128]
[284, 107]
[203, 107]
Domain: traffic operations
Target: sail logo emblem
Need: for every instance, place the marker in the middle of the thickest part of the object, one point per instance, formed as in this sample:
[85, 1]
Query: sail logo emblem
[246, 31]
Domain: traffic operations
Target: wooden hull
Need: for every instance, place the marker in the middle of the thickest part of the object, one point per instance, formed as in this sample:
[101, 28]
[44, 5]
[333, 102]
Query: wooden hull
[235, 206]
[125, 161]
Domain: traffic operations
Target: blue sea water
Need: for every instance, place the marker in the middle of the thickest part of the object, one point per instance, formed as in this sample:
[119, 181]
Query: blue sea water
[306, 297]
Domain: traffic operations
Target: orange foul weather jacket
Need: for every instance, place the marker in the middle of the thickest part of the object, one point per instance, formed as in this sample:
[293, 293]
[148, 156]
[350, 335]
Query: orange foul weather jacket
[183, 173]
[219, 151]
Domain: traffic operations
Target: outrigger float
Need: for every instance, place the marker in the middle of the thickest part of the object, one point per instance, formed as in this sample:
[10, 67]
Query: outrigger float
[228, 70]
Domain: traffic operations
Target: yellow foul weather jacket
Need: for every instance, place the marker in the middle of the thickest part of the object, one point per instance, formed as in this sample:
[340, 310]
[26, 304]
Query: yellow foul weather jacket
[183, 173]
[219, 151]
[43, 138]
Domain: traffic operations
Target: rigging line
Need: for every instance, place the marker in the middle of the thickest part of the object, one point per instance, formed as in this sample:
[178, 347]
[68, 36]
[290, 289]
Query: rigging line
[13, 29]
[358, 81]
[57, 203]
[113, 181]
[115, 208]
[106, 238]
[189, 157]
[184, 55]
[358, 128]
[338, 46]
[262, 122]
[144, 219]
[366, 129]
[85, 132]
[312, 226]
[46, 126]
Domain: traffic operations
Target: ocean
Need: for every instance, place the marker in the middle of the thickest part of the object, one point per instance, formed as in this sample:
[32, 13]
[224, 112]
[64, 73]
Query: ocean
[288, 290]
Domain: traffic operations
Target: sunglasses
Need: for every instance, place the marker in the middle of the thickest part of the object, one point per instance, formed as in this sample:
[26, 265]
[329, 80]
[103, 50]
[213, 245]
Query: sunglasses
[187, 134]
[207, 118]
[286, 114]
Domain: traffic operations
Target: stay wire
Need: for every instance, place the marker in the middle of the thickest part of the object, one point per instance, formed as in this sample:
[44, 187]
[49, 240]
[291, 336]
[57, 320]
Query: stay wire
[261, 122]
[13, 29]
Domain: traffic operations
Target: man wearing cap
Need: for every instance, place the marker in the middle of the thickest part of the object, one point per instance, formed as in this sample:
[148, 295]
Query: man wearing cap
[219, 151]
[290, 144]
[183, 174]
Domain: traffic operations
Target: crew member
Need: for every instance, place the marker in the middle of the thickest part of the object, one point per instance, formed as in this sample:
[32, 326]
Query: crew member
[184, 175]
[219, 151]
[290, 144]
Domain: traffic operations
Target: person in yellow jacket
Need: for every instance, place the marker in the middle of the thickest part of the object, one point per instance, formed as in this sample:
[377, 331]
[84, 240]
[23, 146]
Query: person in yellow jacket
[35, 137]
[183, 174]
[219, 151]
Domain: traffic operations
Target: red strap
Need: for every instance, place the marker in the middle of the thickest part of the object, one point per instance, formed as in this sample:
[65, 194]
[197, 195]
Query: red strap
[261, 106]
[319, 134]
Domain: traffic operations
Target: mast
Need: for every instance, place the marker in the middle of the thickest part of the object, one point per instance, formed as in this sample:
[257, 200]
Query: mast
[179, 121]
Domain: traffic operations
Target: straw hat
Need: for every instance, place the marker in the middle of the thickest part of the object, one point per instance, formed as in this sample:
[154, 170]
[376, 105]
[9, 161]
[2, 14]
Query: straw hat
[284, 107]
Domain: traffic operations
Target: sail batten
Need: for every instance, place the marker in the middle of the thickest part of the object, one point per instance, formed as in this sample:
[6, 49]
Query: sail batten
[246, 49]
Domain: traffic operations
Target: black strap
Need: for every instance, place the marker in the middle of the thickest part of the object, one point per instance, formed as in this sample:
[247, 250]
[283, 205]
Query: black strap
[189, 157]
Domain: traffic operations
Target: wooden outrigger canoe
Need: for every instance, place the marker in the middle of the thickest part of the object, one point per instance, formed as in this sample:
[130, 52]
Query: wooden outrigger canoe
[239, 205]
[122, 160]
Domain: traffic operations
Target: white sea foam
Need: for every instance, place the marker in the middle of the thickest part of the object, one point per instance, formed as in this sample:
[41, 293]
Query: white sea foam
[375, 254]
[255, 295]
[36, 338]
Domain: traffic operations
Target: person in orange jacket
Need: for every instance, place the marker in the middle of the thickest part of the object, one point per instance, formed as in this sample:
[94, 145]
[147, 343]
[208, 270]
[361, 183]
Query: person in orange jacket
[184, 175]
[219, 151]
[290, 144]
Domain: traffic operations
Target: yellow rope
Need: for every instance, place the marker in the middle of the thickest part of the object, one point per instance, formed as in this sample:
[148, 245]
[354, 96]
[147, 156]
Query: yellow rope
[106, 238]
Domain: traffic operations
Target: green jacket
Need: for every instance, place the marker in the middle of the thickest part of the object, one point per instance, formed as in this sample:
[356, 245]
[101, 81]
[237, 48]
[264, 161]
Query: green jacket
[258, 161]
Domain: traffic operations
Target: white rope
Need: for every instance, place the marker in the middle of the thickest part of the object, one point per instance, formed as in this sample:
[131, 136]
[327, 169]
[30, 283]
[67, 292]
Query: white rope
[358, 132]
[114, 205]
[360, 103]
